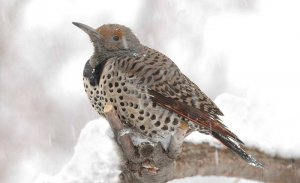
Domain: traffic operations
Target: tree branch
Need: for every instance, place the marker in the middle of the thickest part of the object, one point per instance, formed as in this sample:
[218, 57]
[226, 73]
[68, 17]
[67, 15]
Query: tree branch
[203, 159]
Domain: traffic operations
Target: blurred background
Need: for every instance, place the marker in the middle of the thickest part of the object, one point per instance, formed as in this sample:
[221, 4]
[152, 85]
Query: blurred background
[247, 49]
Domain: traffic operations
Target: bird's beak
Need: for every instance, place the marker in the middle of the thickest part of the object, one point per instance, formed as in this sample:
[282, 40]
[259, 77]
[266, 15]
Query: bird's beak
[94, 35]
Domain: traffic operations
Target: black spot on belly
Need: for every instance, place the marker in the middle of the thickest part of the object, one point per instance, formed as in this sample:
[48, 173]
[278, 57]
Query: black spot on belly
[167, 120]
[142, 127]
[175, 121]
[157, 124]
[165, 127]
[153, 117]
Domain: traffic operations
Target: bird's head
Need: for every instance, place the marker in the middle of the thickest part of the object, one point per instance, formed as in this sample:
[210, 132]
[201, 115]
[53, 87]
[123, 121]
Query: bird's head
[111, 40]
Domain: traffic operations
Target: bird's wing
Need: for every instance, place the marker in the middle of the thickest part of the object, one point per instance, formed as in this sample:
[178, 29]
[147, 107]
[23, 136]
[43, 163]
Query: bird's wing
[179, 94]
[171, 89]
[182, 89]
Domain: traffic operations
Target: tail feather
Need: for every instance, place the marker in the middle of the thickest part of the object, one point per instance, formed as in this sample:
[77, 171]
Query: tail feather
[206, 120]
[235, 147]
[219, 128]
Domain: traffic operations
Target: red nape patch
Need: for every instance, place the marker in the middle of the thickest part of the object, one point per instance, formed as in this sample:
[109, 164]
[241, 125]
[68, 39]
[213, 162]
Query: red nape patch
[110, 31]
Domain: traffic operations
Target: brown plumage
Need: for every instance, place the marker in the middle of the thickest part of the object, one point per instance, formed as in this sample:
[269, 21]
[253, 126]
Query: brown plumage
[148, 91]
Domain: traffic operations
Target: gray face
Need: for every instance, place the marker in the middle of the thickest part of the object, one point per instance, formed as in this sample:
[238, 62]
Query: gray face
[116, 37]
[111, 39]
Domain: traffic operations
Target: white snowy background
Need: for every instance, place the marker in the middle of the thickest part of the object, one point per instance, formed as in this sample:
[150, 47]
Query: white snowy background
[244, 54]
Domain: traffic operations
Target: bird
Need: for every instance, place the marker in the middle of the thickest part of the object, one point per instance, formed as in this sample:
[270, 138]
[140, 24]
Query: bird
[148, 91]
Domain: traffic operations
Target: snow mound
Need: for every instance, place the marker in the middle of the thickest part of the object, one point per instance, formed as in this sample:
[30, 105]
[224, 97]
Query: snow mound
[95, 158]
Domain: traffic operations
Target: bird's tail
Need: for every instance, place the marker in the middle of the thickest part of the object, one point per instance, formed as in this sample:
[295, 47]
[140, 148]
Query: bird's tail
[235, 147]
[211, 124]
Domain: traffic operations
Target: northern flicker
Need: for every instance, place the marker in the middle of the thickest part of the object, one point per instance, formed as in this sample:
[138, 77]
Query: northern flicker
[147, 89]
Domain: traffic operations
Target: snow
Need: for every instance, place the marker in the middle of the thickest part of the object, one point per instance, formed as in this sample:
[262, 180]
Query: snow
[95, 158]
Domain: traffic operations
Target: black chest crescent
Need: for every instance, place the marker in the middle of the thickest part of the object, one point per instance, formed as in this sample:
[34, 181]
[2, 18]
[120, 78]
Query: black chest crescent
[93, 74]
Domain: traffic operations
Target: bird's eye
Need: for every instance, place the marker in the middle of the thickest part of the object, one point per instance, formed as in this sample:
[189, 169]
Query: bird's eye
[116, 38]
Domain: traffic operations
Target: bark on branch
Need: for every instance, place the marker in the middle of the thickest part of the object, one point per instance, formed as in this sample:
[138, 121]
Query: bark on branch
[203, 159]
